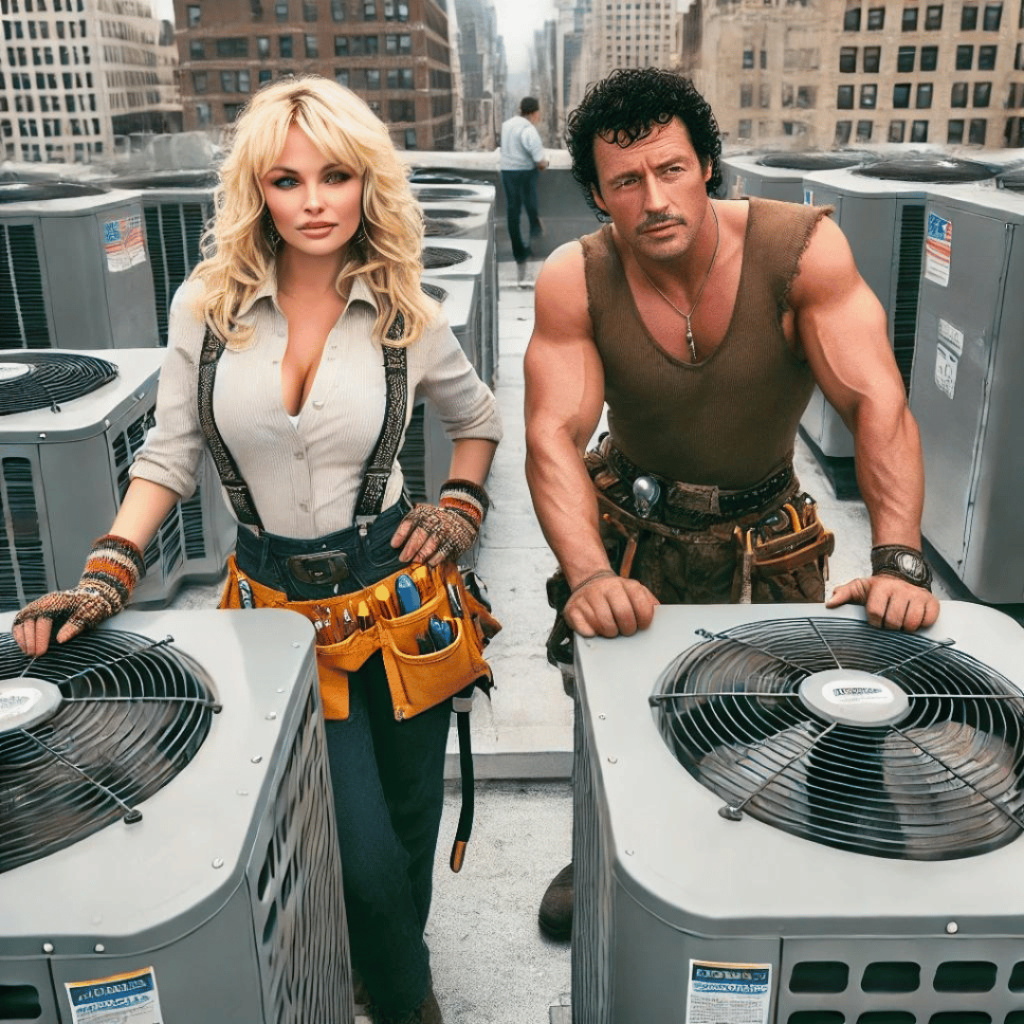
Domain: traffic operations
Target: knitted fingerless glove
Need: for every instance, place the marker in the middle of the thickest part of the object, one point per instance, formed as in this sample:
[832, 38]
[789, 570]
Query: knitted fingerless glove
[112, 570]
[456, 519]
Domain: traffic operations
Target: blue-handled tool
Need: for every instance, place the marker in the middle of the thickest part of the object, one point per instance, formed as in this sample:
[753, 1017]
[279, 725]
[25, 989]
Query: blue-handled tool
[440, 633]
[407, 593]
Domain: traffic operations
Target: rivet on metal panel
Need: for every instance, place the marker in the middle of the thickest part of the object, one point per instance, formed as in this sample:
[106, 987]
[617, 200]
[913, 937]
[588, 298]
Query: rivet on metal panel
[99, 948]
[952, 928]
[271, 716]
[602, 717]
[42, 436]
[256, 759]
[280, 689]
[218, 862]
[295, 643]
[241, 792]
[47, 947]
[613, 760]
[629, 853]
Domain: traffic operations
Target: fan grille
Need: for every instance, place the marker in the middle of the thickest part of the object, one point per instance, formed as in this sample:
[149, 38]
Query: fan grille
[133, 713]
[943, 782]
[37, 380]
[434, 257]
[434, 228]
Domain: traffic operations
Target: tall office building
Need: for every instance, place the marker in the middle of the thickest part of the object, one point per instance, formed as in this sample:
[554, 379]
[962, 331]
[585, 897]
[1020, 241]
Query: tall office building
[482, 73]
[394, 53]
[815, 73]
[79, 78]
[632, 34]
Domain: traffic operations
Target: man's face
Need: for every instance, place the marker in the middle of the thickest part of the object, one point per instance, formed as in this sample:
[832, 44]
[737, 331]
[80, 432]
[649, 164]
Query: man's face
[654, 190]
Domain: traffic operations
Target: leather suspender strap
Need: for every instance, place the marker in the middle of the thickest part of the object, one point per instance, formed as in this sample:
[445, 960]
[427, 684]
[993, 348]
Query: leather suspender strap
[378, 468]
[231, 480]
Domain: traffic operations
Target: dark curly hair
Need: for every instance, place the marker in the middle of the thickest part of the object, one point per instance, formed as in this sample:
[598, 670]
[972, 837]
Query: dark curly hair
[627, 106]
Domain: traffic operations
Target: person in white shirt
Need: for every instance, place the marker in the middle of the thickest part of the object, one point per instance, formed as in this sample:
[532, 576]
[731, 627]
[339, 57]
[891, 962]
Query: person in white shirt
[522, 158]
[311, 284]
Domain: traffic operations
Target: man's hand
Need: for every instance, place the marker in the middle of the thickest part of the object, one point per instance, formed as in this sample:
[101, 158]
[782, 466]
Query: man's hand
[609, 606]
[891, 603]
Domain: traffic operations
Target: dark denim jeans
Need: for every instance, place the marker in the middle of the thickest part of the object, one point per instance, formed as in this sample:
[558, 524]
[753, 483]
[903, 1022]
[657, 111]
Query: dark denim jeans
[521, 191]
[388, 779]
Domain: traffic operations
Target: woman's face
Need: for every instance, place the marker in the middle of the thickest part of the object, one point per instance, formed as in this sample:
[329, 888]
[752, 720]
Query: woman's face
[316, 205]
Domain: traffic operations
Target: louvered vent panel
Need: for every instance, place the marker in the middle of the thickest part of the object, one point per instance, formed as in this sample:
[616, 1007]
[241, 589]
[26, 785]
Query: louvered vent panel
[412, 458]
[23, 322]
[21, 516]
[192, 525]
[908, 284]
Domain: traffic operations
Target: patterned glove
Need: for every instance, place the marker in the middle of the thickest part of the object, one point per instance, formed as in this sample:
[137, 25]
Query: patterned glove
[456, 519]
[112, 570]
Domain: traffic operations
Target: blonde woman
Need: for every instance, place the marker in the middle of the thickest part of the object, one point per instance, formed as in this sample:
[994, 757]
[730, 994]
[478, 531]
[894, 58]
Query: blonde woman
[312, 282]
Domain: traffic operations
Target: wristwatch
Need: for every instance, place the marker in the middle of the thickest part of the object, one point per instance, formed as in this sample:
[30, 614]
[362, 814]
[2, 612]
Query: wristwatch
[905, 562]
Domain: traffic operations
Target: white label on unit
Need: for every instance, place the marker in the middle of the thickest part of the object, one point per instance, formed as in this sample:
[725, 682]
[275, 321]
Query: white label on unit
[11, 371]
[938, 249]
[947, 357]
[857, 693]
[737, 993]
[18, 702]
[130, 998]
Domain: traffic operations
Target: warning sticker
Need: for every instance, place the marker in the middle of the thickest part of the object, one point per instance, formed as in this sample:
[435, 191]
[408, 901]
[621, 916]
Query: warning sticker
[120, 999]
[948, 350]
[728, 993]
[123, 243]
[938, 249]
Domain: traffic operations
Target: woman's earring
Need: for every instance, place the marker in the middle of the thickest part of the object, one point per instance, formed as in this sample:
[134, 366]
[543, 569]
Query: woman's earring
[361, 238]
[270, 232]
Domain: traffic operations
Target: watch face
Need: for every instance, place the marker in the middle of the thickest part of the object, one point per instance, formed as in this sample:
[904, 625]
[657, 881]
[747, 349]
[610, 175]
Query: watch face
[911, 566]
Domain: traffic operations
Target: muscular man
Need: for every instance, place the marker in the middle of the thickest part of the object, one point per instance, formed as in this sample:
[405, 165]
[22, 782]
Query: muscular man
[704, 324]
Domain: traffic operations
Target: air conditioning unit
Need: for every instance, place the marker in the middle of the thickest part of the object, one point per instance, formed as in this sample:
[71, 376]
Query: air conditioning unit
[169, 848]
[461, 298]
[964, 390]
[464, 192]
[70, 425]
[177, 206]
[778, 175]
[880, 208]
[470, 258]
[1012, 179]
[458, 219]
[787, 816]
[74, 273]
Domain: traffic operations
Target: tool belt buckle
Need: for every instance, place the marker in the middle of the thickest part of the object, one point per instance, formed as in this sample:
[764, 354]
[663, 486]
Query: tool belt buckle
[694, 498]
[319, 567]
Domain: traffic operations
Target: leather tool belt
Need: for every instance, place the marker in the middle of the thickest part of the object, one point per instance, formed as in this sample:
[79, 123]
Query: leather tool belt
[417, 681]
[694, 506]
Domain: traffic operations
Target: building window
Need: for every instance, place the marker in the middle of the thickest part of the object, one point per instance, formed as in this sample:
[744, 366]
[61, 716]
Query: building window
[284, 46]
[764, 95]
[844, 97]
[232, 110]
[337, 10]
[986, 58]
[958, 95]
[968, 23]
[396, 10]
[281, 10]
[764, 59]
[847, 59]
[236, 47]
[341, 46]
[265, 75]
[263, 46]
[905, 58]
[864, 130]
[744, 129]
[365, 46]
[748, 59]
[199, 81]
[843, 129]
[400, 78]
[876, 18]
[196, 50]
[909, 23]
[401, 110]
[746, 95]
[897, 130]
[933, 18]
[964, 58]
[192, 13]
[372, 78]
[398, 43]
[924, 96]
[310, 10]
[954, 133]
[901, 95]
[993, 17]
[929, 58]
[919, 131]
[976, 131]
[872, 59]
[203, 115]
[341, 76]
[868, 97]
[369, 10]
[312, 50]
[982, 94]
[1018, 57]
[807, 96]
[851, 20]
[410, 138]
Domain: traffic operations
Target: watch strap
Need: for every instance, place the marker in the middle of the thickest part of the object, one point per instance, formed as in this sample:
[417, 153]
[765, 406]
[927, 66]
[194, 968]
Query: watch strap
[902, 561]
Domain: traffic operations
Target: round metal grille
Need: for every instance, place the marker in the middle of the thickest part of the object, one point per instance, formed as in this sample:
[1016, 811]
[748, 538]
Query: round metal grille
[433, 194]
[929, 767]
[434, 228]
[446, 213]
[116, 718]
[811, 161]
[940, 170]
[34, 191]
[434, 257]
[1012, 179]
[435, 291]
[440, 176]
[40, 380]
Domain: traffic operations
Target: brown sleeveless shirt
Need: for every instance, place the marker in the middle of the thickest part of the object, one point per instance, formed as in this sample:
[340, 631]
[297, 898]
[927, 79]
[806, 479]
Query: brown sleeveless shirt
[731, 419]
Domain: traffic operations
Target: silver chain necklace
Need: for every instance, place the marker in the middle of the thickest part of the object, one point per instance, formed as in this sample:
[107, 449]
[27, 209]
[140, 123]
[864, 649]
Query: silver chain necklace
[693, 308]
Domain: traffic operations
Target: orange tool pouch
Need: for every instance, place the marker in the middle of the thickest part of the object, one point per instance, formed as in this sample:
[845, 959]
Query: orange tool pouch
[416, 681]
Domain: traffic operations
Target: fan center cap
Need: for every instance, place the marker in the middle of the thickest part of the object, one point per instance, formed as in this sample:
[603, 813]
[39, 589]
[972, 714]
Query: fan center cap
[11, 371]
[852, 697]
[25, 701]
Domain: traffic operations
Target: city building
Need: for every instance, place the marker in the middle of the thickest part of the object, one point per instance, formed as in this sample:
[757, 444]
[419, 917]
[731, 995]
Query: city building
[84, 79]
[482, 77]
[394, 53]
[819, 73]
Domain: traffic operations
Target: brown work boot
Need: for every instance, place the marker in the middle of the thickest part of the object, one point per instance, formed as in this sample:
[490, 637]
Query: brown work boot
[428, 1012]
[555, 915]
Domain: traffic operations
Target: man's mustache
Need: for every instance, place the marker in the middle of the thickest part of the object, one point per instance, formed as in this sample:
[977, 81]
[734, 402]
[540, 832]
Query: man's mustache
[656, 220]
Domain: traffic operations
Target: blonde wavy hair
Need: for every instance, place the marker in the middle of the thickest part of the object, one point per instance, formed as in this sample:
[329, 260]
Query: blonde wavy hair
[386, 253]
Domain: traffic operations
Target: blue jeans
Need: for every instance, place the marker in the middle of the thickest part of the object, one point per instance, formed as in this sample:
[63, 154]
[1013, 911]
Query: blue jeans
[521, 191]
[387, 776]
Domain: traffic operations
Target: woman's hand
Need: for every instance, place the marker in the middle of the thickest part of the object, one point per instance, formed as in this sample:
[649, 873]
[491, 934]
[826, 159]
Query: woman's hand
[433, 533]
